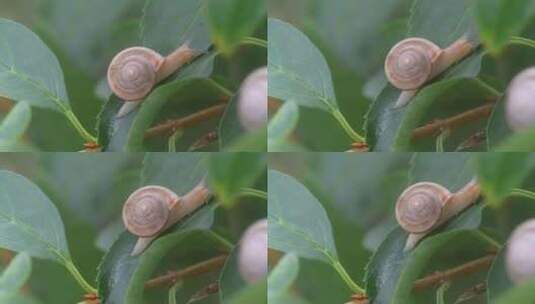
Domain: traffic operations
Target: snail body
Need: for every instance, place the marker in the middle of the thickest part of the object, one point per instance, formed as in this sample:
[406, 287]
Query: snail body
[519, 258]
[253, 252]
[134, 72]
[424, 206]
[253, 100]
[413, 62]
[520, 101]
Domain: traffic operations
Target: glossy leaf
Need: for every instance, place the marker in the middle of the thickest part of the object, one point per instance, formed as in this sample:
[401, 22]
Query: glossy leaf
[231, 282]
[289, 231]
[229, 173]
[451, 170]
[233, 20]
[29, 71]
[498, 282]
[297, 69]
[117, 271]
[31, 221]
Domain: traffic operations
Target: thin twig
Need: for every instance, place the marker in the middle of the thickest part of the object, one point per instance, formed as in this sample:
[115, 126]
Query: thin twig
[451, 123]
[185, 122]
[465, 269]
[205, 292]
[191, 271]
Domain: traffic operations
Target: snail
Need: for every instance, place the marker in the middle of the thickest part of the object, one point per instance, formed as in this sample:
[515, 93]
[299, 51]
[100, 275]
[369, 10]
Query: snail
[253, 100]
[520, 101]
[133, 73]
[151, 210]
[413, 62]
[425, 206]
[519, 257]
[253, 252]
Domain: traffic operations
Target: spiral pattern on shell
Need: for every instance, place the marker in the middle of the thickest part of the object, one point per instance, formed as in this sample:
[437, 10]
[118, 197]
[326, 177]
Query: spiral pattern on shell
[409, 64]
[420, 206]
[147, 210]
[520, 102]
[133, 73]
[520, 258]
[253, 252]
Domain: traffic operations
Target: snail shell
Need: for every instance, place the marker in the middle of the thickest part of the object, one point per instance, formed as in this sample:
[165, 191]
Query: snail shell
[520, 257]
[419, 207]
[520, 103]
[146, 211]
[409, 64]
[133, 72]
[253, 252]
[253, 100]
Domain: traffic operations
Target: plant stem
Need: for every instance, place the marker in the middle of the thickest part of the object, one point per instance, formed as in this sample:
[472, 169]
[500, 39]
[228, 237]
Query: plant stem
[255, 41]
[522, 41]
[453, 122]
[228, 245]
[190, 271]
[254, 193]
[345, 276]
[78, 277]
[346, 126]
[79, 127]
[185, 122]
[523, 193]
[459, 271]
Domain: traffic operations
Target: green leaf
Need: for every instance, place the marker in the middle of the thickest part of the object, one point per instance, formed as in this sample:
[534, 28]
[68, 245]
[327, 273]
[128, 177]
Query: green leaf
[233, 20]
[30, 219]
[14, 125]
[229, 173]
[389, 261]
[282, 277]
[523, 294]
[455, 20]
[15, 275]
[231, 282]
[230, 128]
[29, 71]
[499, 173]
[166, 25]
[179, 172]
[253, 294]
[178, 92]
[118, 271]
[289, 231]
[497, 129]
[519, 142]
[498, 20]
[451, 170]
[498, 282]
[282, 125]
[441, 252]
[297, 69]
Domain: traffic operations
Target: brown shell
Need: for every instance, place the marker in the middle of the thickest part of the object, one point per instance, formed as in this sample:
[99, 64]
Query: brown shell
[133, 73]
[420, 206]
[409, 64]
[147, 210]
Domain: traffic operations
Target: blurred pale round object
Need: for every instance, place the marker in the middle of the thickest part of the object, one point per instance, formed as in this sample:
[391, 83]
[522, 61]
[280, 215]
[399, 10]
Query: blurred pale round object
[520, 102]
[253, 252]
[253, 101]
[520, 254]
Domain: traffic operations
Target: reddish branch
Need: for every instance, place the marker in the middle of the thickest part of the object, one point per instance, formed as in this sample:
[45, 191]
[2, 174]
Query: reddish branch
[191, 271]
[185, 122]
[442, 276]
[451, 123]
